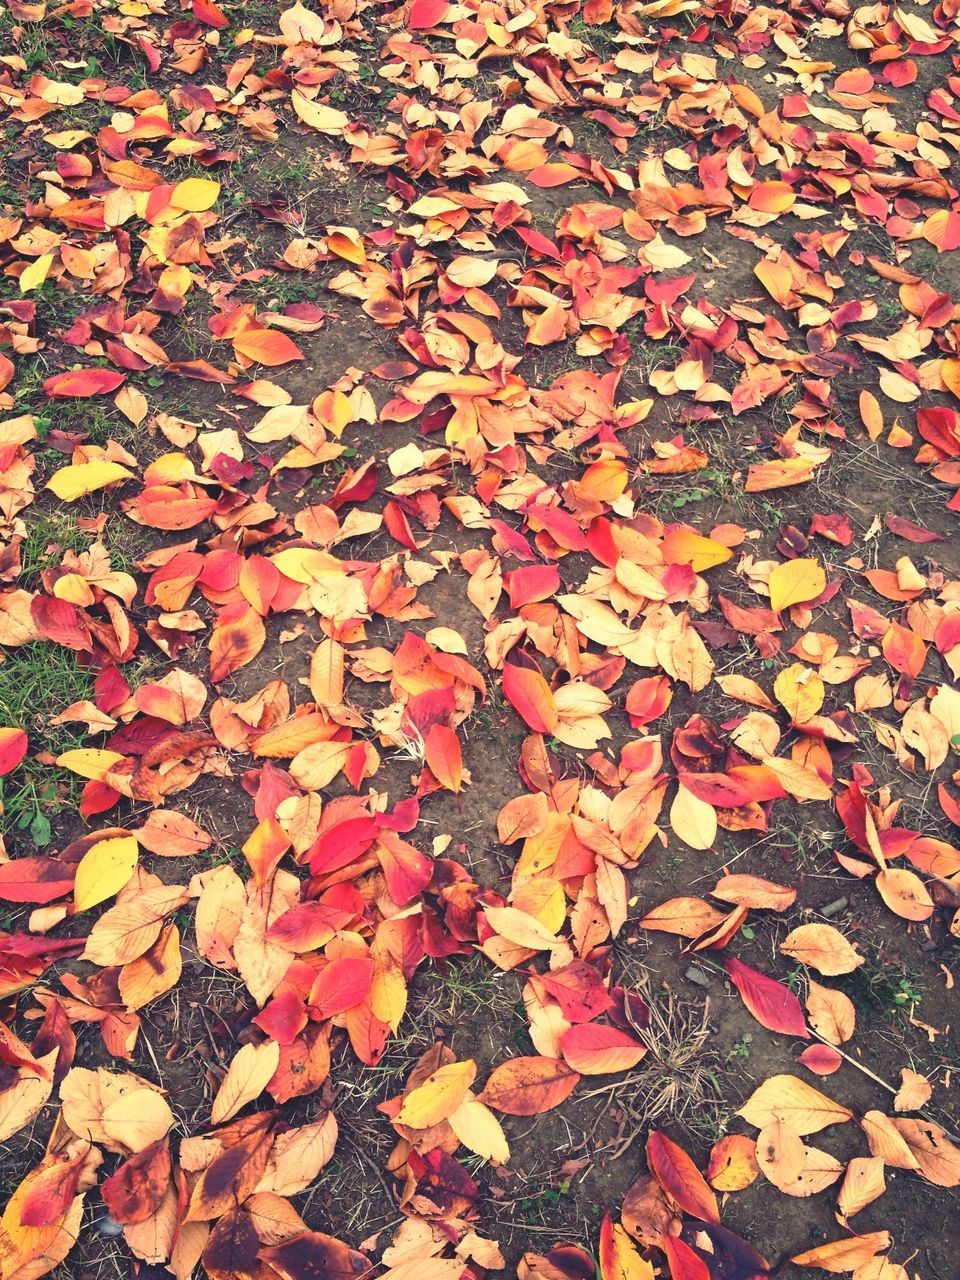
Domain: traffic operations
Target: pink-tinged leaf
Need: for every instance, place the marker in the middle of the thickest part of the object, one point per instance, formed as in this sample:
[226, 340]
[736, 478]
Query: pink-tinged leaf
[822, 1059]
[36, 880]
[530, 696]
[593, 1049]
[910, 531]
[13, 747]
[82, 383]
[772, 1004]
[424, 14]
[340, 985]
[407, 871]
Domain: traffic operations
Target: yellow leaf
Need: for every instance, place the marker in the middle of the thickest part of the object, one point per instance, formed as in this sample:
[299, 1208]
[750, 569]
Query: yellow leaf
[439, 1095]
[137, 1119]
[619, 1258]
[36, 273]
[297, 1156]
[520, 929]
[693, 820]
[305, 564]
[317, 765]
[680, 546]
[479, 1129]
[326, 674]
[317, 116]
[195, 195]
[22, 1099]
[248, 1076]
[89, 762]
[103, 870]
[75, 481]
[795, 582]
[802, 1108]
[346, 242]
[800, 691]
[802, 783]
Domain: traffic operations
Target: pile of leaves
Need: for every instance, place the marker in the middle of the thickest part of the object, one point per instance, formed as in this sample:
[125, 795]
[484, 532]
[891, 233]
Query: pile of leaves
[317, 611]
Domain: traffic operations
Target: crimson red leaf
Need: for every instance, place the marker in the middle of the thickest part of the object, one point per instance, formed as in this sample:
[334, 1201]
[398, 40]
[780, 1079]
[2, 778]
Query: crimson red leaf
[772, 1004]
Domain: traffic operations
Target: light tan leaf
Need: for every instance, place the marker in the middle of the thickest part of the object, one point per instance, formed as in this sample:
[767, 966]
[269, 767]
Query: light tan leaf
[479, 1130]
[247, 1077]
[823, 948]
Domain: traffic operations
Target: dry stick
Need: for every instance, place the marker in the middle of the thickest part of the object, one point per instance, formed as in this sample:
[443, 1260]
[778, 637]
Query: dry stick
[878, 1080]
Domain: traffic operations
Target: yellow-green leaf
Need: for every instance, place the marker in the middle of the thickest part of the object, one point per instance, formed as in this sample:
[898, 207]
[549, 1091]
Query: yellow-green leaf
[103, 870]
[81, 478]
[795, 582]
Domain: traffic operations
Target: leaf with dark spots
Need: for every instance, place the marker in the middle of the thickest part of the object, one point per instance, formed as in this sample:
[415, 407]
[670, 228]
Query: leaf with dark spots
[232, 1175]
[232, 1248]
[315, 1256]
[134, 1191]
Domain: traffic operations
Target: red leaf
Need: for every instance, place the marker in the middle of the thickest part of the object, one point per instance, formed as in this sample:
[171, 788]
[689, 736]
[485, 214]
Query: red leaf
[340, 985]
[578, 990]
[772, 1004]
[62, 622]
[406, 869]
[35, 880]
[912, 532]
[283, 1018]
[529, 695]
[210, 14]
[83, 383]
[684, 1264]
[442, 753]
[647, 699]
[134, 1192]
[531, 583]
[424, 14]
[13, 747]
[716, 789]
[594, 1049]
[680, 1178]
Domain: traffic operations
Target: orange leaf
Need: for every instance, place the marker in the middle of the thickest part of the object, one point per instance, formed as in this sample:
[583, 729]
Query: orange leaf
[680, 1178]
[83, 383]
[441, 749]
[529, 1086]
[529, 694]
[266, 346]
